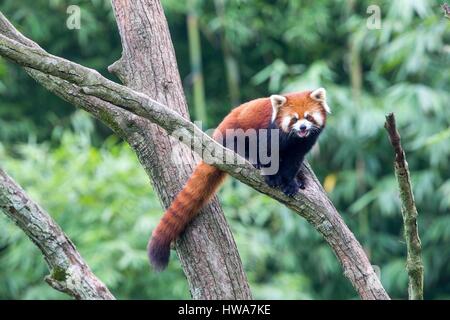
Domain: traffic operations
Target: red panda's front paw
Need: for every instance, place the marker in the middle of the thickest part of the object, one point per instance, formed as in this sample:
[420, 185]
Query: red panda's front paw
[301, 184]
[290, 189]
[273, 180]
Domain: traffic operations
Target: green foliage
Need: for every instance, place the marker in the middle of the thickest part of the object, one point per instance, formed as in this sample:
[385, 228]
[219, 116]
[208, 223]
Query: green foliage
[74, 182]
[96, 45]
[279, 46]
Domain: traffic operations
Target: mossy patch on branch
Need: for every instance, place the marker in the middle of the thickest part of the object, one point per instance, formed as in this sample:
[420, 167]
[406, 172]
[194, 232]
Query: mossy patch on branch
[59, 274]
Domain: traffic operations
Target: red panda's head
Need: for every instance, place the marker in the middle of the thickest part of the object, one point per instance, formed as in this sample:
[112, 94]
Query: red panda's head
[303, 113]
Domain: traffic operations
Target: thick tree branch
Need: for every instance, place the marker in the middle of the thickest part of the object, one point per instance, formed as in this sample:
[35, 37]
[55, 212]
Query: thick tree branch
[311, 203]
[414, 264]
[68, 272]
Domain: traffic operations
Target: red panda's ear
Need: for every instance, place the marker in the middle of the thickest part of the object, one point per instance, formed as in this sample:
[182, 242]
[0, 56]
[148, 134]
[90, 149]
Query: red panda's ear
[321, 95]
[277, 102]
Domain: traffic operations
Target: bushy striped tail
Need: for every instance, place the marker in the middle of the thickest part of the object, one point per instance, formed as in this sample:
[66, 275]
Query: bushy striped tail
[200, 187]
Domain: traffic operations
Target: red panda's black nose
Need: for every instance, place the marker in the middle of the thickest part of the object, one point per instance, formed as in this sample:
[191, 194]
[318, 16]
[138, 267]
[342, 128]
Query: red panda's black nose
[302, 127]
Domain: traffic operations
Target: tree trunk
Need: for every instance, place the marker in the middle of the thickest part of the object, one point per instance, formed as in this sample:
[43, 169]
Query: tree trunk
[206, 249]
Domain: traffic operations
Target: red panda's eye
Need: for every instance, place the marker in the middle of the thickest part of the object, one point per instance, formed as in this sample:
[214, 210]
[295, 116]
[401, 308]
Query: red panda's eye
[294, 120]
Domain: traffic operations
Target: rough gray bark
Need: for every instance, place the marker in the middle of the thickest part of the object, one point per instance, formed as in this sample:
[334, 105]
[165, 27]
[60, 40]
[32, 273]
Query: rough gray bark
[207, 250]
[68, 272]
[312, 203]
[414, 264]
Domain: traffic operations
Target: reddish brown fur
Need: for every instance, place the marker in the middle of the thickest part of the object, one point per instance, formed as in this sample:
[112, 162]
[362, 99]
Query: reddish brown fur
[253, 114]
[205, 180]
[200, 187]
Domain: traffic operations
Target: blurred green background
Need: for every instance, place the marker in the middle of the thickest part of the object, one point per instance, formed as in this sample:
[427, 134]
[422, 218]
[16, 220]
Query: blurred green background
[93, 185]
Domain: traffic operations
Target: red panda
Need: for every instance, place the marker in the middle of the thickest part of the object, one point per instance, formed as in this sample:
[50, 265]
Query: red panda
[298, 118]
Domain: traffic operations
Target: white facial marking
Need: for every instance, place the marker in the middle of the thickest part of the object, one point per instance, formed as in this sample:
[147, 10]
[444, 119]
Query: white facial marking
[301, 122]
[318, 117]
[277, 101]
[285, 123]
